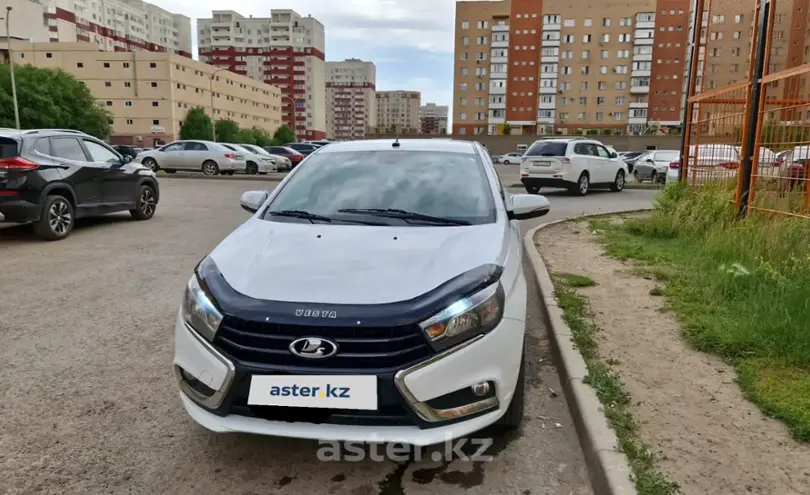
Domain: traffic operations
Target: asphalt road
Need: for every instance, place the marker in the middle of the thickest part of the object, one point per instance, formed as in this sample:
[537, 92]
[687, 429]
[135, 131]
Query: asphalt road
[89, 403]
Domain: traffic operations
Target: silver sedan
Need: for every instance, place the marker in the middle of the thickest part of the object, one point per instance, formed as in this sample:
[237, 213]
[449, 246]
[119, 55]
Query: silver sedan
[653, 165]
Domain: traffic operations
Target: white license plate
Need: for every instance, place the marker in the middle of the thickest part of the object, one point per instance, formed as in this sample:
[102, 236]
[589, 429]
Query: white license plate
[541, 164]
[325, 391]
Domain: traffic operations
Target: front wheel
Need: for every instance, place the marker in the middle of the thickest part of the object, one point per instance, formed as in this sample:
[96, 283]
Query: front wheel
[618, 182]
[210, 168]
[252, 169]
[146, 204]
[57, 219]
[151, 164]
[582, 186]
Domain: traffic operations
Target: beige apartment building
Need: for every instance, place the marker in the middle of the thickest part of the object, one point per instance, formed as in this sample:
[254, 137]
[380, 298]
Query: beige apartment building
[568, 67]
[351, 99]
[26, 21]
[398, 111]
[285, 50]
[149, 93]
[433, 119]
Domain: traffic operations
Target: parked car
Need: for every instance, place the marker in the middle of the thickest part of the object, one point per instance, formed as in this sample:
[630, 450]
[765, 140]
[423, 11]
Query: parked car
[630, 158]
[287, 152]
[653, 165]
[303, 148]
[124, 150]
[361, 311]
[208, 157]
[576, 164]
[254, 163]
[510, 158]
[322, 142]
[52, 177]
[281, 163]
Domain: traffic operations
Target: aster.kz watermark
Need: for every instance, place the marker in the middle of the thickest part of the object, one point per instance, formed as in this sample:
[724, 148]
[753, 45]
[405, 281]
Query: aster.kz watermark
[464, 449]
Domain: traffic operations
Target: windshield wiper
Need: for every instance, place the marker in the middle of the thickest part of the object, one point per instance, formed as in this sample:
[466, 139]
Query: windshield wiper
[404, 215]
[301, 214]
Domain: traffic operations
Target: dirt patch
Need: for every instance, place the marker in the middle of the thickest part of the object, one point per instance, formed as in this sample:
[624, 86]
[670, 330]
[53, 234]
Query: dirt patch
[707, 436]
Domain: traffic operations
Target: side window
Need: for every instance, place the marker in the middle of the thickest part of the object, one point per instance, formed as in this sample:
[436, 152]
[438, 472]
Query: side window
[174, 147]
[603, 153]
[43, 146]
[100, 153]
[194, 146]
[581, 149]
[67, 148]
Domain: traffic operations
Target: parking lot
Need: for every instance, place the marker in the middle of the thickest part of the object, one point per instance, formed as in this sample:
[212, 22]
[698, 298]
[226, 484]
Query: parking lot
[89, 399]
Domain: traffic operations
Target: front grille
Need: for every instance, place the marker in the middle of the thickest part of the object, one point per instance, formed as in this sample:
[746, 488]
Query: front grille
[359, 347]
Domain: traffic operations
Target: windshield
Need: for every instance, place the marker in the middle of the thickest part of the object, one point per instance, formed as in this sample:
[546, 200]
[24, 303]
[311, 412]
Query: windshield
[547, 148]
[256, 149]
[447, 185]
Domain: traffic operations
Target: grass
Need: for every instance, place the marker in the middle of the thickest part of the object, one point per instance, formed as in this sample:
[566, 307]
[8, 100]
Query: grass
[608, 385]
[740, 289]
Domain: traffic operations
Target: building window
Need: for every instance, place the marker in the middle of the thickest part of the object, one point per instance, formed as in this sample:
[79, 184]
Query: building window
[127, 84]
[127, 103]
[482, 24]
[464, 71]
[619, 100]
[126, 65]
[738, 18]
[152, 65]
[605, 22]
[107, 84]
[586, 38]
[599, 116]
[154, 103]
[106, 65]
[48, 55]
[79, 65]
[618, 116]
[588, 22]
[156, 122]
[569, 23]
[109, 103]
[129, 122]
[465, 24]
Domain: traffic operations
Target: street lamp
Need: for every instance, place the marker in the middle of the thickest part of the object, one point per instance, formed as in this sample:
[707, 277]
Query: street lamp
[211, 90]
[11, 69]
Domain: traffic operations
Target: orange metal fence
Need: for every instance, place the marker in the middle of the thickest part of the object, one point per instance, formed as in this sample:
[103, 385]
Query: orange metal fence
[750, 140]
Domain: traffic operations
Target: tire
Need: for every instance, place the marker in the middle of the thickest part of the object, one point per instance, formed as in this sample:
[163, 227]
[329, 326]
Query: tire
[532, 189]
[57, 219]
[210, 168]
[513, 416]
[618, 182]
[506, 162]
[582, 186]
[252, 168]
[145, 204]
[635, 176]
[151, 164]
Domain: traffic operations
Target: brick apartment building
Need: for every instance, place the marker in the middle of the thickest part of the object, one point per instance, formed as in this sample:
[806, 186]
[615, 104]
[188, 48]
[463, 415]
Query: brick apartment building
[351, 99]
[398, 111]
[433, 119]
[285, 49]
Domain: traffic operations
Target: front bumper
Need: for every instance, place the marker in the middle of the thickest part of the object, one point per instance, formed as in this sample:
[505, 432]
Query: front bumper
[403, 415]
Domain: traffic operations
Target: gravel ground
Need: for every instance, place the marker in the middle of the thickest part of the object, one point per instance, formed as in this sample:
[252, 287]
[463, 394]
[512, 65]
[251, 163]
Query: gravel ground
[89, 403]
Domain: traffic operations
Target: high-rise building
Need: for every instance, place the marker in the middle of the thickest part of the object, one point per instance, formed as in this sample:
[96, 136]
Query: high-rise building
[398, 111]
[568, 67]
[351, 99]
[148, 94]
[285, 49]
[433, 118]
[118, 25]
[25, 21]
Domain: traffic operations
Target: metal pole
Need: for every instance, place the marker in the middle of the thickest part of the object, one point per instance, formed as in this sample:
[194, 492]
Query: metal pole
[749, 145]
[694, 56]
[11, 69]
[211, 90]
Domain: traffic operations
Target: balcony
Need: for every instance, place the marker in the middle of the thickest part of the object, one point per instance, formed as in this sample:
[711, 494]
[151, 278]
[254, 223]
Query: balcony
[639, 90]
[498, 75]
[550, 43]
[637, 120]
[637, 104]
[642, 57]
[500, 28]
[499, 44]
[497, 106]
[546, 91]
[645, 25]
[640, 73]
[548, 75]
[496, 120]
[547, 106]
[643, 41]
[499, 60]
[545, 120]
[552, 27]
[550, 59]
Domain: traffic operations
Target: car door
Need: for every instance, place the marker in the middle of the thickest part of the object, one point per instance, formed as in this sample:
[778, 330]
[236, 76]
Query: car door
[118, 187]
[172, 156]
[79, 172]
[608, 167]
[585, 159]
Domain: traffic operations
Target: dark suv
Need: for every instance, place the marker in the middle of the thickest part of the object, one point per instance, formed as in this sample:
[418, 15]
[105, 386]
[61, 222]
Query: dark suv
[51, 177]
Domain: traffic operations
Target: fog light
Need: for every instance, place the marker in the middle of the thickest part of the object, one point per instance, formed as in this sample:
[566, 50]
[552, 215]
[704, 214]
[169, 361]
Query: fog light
[480, 389]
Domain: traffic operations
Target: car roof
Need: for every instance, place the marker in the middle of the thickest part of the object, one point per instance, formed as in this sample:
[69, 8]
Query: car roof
[441, 145]
[41, 132]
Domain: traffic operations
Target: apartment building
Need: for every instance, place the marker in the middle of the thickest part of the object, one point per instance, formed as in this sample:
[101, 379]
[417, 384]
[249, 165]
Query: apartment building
[568, 67]
[118, 25]
[398, 111]
[433, 119]
[285, 49]
[25, 21]
[149, 93]
[351, 99]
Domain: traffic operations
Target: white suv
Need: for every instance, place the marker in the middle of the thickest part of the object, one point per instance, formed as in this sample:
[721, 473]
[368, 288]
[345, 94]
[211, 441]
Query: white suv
[573, 164]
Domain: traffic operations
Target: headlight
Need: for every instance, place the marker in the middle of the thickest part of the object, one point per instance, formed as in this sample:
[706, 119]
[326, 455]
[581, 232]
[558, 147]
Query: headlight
[466, 318]
[199, 311]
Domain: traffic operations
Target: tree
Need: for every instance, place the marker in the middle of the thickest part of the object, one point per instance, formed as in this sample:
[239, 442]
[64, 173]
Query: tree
[196, 125]
[283, 135]
[256, 136]
[227, 131]
[507, 129]
[51, 98]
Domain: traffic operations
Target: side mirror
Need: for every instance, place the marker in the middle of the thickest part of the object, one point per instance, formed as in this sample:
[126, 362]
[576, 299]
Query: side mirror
[526, 206]
[613, 154]
[126, 159]
[649, 160]
[253, 200]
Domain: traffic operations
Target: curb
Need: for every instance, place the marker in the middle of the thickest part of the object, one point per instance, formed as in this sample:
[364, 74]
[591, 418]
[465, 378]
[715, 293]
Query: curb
[256, 178]
[608, 467]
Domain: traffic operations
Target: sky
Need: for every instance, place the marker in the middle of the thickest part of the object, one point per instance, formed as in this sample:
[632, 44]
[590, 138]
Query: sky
[410, 41]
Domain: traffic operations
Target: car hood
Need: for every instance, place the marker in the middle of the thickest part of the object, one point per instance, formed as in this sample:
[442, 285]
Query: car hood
[337, 264]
